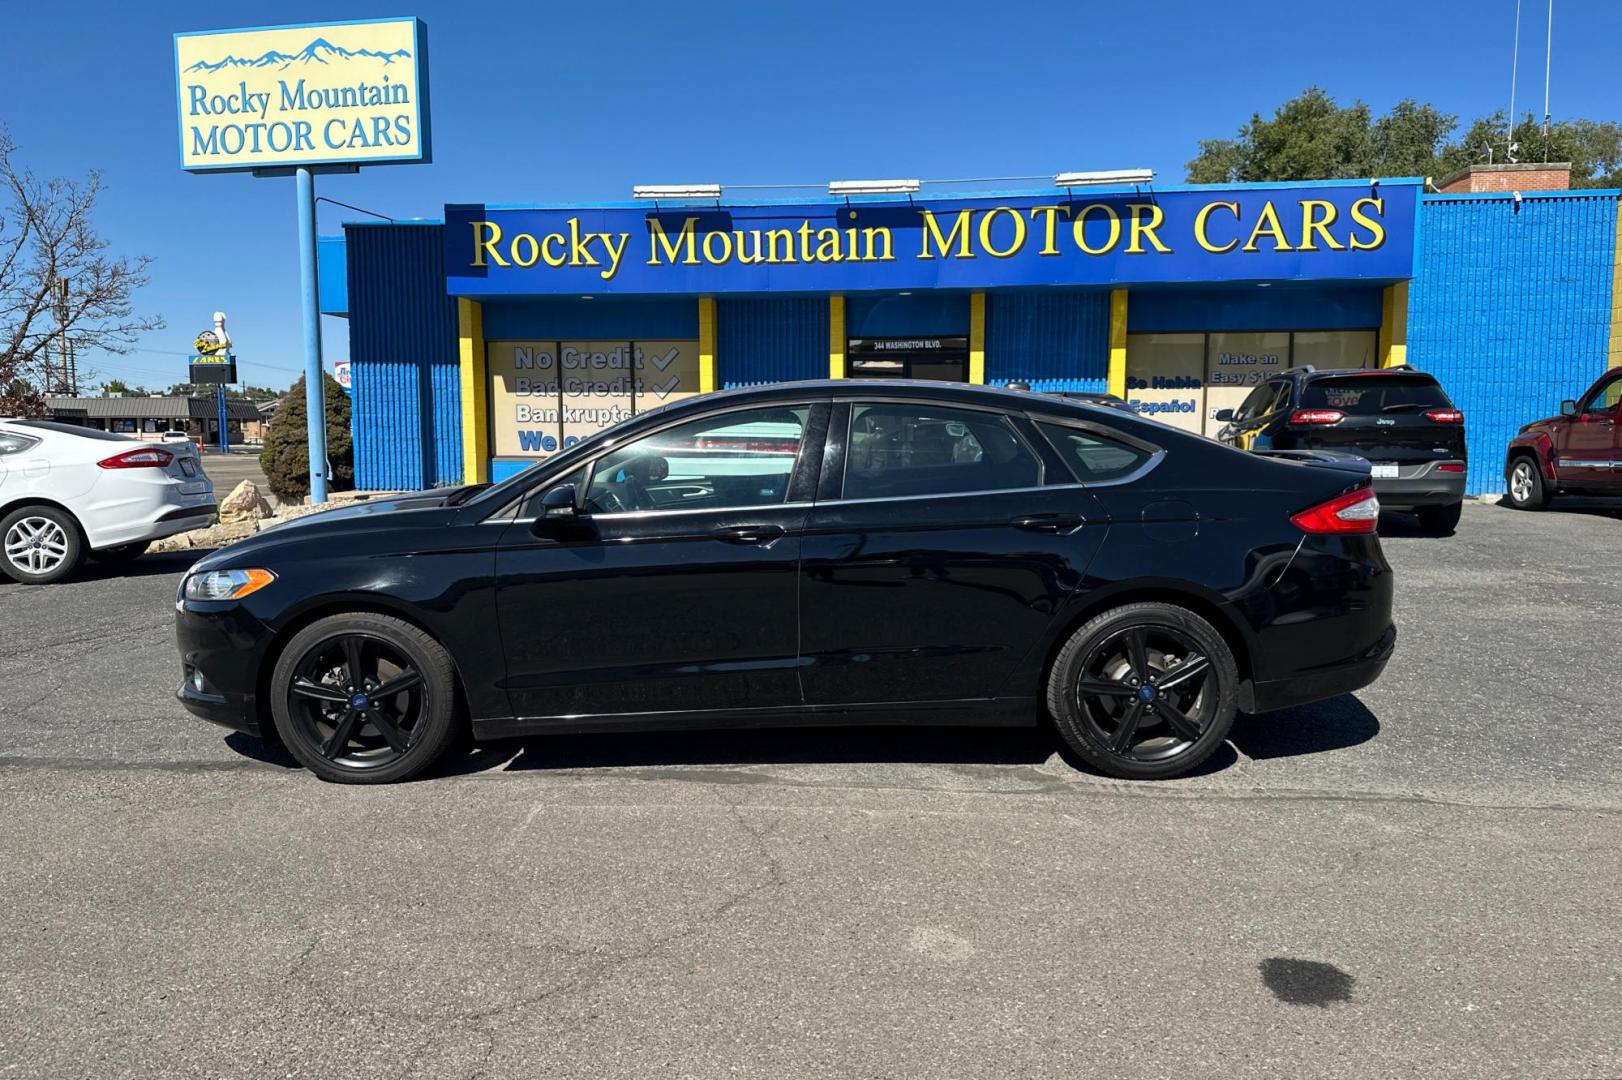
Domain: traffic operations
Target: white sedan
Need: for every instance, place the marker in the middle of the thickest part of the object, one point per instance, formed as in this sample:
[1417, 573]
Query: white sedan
[67, 492]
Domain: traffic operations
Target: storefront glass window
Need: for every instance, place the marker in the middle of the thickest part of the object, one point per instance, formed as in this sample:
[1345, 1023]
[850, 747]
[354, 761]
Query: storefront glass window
[1165, 377]
[1334, 348]
[1236, 364]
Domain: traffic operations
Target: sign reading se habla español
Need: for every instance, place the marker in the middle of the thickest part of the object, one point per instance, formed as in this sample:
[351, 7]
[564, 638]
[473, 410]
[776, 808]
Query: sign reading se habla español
[314, 94]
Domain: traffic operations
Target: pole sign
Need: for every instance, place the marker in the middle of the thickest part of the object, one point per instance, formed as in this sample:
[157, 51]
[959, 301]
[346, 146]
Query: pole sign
[344, 93]
[1338, 231]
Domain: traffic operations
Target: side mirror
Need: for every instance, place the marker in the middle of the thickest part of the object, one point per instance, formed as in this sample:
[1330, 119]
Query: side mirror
[557, 508]
[1568, 407]
[1223, 416]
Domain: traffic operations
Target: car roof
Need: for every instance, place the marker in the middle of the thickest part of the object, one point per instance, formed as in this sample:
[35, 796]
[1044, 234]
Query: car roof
[1401, 371]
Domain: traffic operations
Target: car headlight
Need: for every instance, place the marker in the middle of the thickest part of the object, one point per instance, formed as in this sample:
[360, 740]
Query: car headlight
[226, 584]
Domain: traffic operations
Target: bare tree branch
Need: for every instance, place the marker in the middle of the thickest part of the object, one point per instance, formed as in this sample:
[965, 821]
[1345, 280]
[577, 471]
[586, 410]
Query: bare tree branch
[46, 236]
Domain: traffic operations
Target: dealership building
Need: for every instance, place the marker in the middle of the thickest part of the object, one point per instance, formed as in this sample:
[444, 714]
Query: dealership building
[494, 336]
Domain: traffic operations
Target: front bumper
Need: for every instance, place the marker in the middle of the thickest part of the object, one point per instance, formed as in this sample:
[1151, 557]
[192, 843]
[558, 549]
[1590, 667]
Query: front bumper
[1420, 485]
[222, 648]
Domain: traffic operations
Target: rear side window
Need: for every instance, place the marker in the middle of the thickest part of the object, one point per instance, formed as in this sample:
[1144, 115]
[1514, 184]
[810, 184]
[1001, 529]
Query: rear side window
[1094, 458]
[14, 444]
[1370, 395]
[920, 449]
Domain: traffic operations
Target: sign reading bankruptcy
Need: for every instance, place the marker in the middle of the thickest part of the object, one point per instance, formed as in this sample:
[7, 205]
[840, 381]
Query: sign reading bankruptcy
[1330, 231]
[348, 93]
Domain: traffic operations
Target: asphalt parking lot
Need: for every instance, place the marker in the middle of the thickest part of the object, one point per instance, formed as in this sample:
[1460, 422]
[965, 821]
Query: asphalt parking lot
[1422, 879]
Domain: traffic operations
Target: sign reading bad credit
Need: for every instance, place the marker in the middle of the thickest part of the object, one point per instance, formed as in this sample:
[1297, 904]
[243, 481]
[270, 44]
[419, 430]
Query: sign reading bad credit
[1351, 231]
[350, 93]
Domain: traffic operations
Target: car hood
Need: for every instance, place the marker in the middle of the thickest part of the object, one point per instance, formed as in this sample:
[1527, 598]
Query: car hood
[1548, 423]
[415, 509]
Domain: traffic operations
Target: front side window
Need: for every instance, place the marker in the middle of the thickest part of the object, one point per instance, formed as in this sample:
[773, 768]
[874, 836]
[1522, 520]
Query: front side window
[1605, 398]
[1262, 401]
[1094, 458]
[737, 459]
[922, 449]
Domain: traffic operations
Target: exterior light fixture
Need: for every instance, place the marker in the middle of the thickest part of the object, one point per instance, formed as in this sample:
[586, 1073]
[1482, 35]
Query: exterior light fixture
[676, 191]
[1106, 176]
[873, 187]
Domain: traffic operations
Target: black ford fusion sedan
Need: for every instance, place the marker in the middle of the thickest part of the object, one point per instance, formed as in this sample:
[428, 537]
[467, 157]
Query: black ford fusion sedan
[808, 553]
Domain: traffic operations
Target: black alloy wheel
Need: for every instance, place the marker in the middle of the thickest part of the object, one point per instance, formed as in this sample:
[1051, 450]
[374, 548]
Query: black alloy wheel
[364, 698]
[1145, 691]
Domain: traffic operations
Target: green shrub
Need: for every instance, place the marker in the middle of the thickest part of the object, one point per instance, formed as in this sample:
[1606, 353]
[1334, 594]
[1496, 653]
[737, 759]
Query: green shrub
[286, 455]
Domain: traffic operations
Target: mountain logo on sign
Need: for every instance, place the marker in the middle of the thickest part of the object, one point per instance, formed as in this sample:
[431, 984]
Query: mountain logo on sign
[318, 51]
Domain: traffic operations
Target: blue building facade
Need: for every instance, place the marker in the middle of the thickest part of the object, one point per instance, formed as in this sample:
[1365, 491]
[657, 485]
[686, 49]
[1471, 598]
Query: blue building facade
[491, 338]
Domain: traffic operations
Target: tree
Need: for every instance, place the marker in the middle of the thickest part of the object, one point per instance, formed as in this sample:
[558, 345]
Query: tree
[285, 458]
[1309, 137]
[120, 388]
[255, 394]
[46, 238]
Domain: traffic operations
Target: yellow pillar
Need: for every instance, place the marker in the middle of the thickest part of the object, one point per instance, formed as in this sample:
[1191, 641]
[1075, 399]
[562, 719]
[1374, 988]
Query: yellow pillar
[836, 337]
[1117, 343]
[1393, 341]
[708, 373]
[475, 392]
[977, 337]
[1613, 356]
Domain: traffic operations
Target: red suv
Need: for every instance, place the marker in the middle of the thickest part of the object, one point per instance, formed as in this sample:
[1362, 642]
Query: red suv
[1579, 451]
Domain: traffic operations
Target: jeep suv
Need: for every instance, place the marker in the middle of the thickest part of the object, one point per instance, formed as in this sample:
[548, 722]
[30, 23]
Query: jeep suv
[1398, 418]
[1579, 451]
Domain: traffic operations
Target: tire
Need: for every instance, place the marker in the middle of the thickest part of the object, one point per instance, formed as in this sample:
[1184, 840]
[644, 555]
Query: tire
[1524, 486]
[1441, 520]
[316, 701]
[1090, 715]
[122, 555]
[39, 545]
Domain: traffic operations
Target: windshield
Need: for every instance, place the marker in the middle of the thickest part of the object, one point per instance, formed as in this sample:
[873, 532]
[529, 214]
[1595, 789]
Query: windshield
[1370, 395]
[497, 492]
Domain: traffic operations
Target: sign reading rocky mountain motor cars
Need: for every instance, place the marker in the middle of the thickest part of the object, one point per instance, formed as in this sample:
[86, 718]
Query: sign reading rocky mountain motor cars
[351, 93]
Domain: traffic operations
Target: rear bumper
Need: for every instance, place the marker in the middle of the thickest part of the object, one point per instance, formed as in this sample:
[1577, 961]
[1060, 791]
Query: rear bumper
[222, 648]
[1326, 682]
[1420, 485]
[147, 516]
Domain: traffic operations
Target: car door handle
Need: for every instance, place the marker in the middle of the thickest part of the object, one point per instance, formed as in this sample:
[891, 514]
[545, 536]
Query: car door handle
[747, 534]
[1053, 523]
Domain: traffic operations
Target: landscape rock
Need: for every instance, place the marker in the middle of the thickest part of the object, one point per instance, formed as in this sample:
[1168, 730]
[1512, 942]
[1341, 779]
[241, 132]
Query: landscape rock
[244, 504]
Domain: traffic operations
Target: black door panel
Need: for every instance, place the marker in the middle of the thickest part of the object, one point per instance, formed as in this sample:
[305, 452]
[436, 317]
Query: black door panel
[938, 598]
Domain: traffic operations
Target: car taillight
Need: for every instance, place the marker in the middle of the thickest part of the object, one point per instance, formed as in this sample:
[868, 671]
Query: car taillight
[1450, 466]
[1317, 416]
[1445, 416]
[150, 457]
[1354, 512]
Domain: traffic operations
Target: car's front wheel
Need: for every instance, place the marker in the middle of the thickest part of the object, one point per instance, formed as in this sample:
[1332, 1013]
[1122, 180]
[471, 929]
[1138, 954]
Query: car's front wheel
[1144, 691]
[364, 698]
[1526, 489]
[39, 545]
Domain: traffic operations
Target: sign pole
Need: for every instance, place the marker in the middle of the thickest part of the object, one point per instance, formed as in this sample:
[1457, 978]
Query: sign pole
[315, 393]
[219, 403]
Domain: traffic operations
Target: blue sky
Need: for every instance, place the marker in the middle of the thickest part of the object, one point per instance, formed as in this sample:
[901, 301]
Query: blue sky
[536, 102]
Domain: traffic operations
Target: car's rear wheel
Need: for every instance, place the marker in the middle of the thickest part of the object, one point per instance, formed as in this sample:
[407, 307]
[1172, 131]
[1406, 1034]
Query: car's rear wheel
[122, 554]
[364, 698]
[1144, 691]
[39, 545]
[1526, 490]
[1440, 519]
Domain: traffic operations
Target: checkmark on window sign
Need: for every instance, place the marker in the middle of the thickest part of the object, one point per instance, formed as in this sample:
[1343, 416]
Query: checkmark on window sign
[661, 391]
[662, 362]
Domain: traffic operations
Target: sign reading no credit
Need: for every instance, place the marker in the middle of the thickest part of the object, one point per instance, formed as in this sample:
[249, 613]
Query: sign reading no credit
[314, 94]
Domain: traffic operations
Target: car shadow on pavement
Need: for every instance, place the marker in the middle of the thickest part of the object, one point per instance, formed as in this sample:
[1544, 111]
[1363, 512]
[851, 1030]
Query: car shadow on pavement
[154, 564]
[1335, 724]
[1592, 506]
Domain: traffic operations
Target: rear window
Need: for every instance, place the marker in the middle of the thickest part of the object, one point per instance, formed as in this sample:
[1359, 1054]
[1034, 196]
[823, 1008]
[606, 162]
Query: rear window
[1370, 395]
[73, 429]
